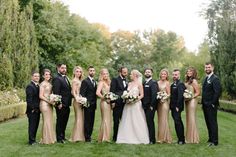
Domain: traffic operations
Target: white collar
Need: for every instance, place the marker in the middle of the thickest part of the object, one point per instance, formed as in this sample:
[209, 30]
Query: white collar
[36, 84]
[147, 80]
[91, 78]
[209, 76]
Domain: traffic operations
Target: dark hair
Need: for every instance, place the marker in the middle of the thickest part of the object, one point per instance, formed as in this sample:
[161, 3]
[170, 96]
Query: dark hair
[148, 69]
[34, 72]
[90, 67]
[176, 70]
[190, 79]
[209, 63]
[60, 64]
[46, 70]
[121, 68]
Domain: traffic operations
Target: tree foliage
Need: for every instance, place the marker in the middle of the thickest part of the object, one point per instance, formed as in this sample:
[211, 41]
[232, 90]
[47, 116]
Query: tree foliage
[221, 16]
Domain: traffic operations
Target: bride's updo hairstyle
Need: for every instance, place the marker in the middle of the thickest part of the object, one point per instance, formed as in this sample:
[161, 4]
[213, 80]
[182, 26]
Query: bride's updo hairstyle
[137, 74]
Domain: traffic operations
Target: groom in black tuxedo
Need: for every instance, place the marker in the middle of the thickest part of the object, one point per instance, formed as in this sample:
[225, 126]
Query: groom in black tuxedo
[177, 105]
[32, 111]
[88, 90]
[118, 86]
[211, 91]
[61, 86]
[149, 102]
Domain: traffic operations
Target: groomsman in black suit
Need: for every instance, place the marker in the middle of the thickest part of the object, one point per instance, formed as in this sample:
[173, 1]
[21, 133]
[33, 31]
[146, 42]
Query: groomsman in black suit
[177, 105]
[118, 86]
[149, 102]
[211, 90]
[61, 86]
[32, 111]
[88, 90]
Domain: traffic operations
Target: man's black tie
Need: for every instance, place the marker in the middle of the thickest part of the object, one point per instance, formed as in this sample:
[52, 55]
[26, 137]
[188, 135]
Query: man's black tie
[94, 84]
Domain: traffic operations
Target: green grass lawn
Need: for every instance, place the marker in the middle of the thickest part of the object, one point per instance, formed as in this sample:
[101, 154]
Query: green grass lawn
[13, 142]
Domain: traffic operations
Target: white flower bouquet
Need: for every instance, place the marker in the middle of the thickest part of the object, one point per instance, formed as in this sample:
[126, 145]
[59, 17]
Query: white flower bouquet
[129, 98]
[188, 95]
[162, 95]
[82, 101]
[110, 96]
[56, 99]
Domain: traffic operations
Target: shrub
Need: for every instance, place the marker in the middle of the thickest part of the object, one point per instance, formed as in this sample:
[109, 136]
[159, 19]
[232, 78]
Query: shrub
[228, 106]
[9, 97]
[12, 111]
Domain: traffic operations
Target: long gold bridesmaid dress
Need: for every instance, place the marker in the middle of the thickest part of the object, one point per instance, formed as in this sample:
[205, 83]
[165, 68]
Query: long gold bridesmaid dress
[163, 108]
[48, 131]
[192, 135]
[78, 129]
[105, 128]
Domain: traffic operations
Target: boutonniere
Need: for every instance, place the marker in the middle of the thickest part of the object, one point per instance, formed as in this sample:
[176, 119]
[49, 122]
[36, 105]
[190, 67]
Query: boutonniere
[209, 81]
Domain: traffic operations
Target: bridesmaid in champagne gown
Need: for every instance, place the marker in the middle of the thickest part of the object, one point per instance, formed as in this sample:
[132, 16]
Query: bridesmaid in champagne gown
[78, 129]
[46, 108]
[191, 84]
[104, 87]
[163, 108]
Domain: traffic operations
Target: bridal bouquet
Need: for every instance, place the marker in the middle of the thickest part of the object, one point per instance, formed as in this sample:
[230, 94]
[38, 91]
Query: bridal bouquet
[56, 99]
[128, 98]
[83, 101]
[110, 96]
[162, 95]
[188, 95]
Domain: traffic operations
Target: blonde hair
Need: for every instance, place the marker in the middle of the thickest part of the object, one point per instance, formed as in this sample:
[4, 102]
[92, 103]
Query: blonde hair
[167, 73]
[108, 81]
[138, 75]
[80, 68]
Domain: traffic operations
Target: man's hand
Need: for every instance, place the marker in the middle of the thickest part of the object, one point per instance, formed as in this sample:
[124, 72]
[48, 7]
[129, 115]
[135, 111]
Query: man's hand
[113, 105]
[177, 109]
[59, 106]
[151, 108]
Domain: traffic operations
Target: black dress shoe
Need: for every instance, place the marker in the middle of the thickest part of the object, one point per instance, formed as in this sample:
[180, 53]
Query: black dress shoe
[209, 141]
[87, 140]
[32, 143]
[181, 142]
[60, 141]
[212, 144]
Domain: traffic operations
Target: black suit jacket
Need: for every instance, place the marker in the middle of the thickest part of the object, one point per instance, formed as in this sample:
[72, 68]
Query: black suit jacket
[117, 87]
[211, 91]
[150, 93]
[88, 90]
[176, 97]
[61, 87]
[32, 97]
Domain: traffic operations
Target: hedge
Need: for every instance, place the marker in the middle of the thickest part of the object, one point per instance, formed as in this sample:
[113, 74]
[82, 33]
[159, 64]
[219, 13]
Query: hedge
[12, 111]
[228, 106]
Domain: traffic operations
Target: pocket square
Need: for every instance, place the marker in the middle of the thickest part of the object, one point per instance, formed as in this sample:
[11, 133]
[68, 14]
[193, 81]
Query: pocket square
[146, 86]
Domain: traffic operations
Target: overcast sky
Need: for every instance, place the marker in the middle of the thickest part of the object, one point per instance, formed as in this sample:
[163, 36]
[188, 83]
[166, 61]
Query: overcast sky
[179, 16]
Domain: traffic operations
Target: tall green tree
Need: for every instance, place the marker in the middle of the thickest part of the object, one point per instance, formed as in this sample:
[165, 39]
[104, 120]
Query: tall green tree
[67, 38]
[26, 53]
[8, 39]
[18, 50]
[221, 16]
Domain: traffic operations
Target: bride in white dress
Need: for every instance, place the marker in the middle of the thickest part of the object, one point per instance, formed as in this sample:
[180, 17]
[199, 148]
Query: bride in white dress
[133, 126]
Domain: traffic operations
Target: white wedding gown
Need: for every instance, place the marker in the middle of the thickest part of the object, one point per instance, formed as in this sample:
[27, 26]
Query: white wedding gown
[133, 126]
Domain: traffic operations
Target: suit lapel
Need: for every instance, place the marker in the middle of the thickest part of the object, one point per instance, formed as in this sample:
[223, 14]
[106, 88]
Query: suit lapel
[90, 82]
[36, 89]
[120, 81]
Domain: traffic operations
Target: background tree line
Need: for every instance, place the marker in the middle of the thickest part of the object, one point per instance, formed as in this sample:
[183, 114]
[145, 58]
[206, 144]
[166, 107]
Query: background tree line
[37, 34]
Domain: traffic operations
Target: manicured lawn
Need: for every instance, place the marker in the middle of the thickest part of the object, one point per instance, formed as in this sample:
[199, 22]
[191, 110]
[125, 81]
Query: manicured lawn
[13, 142]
